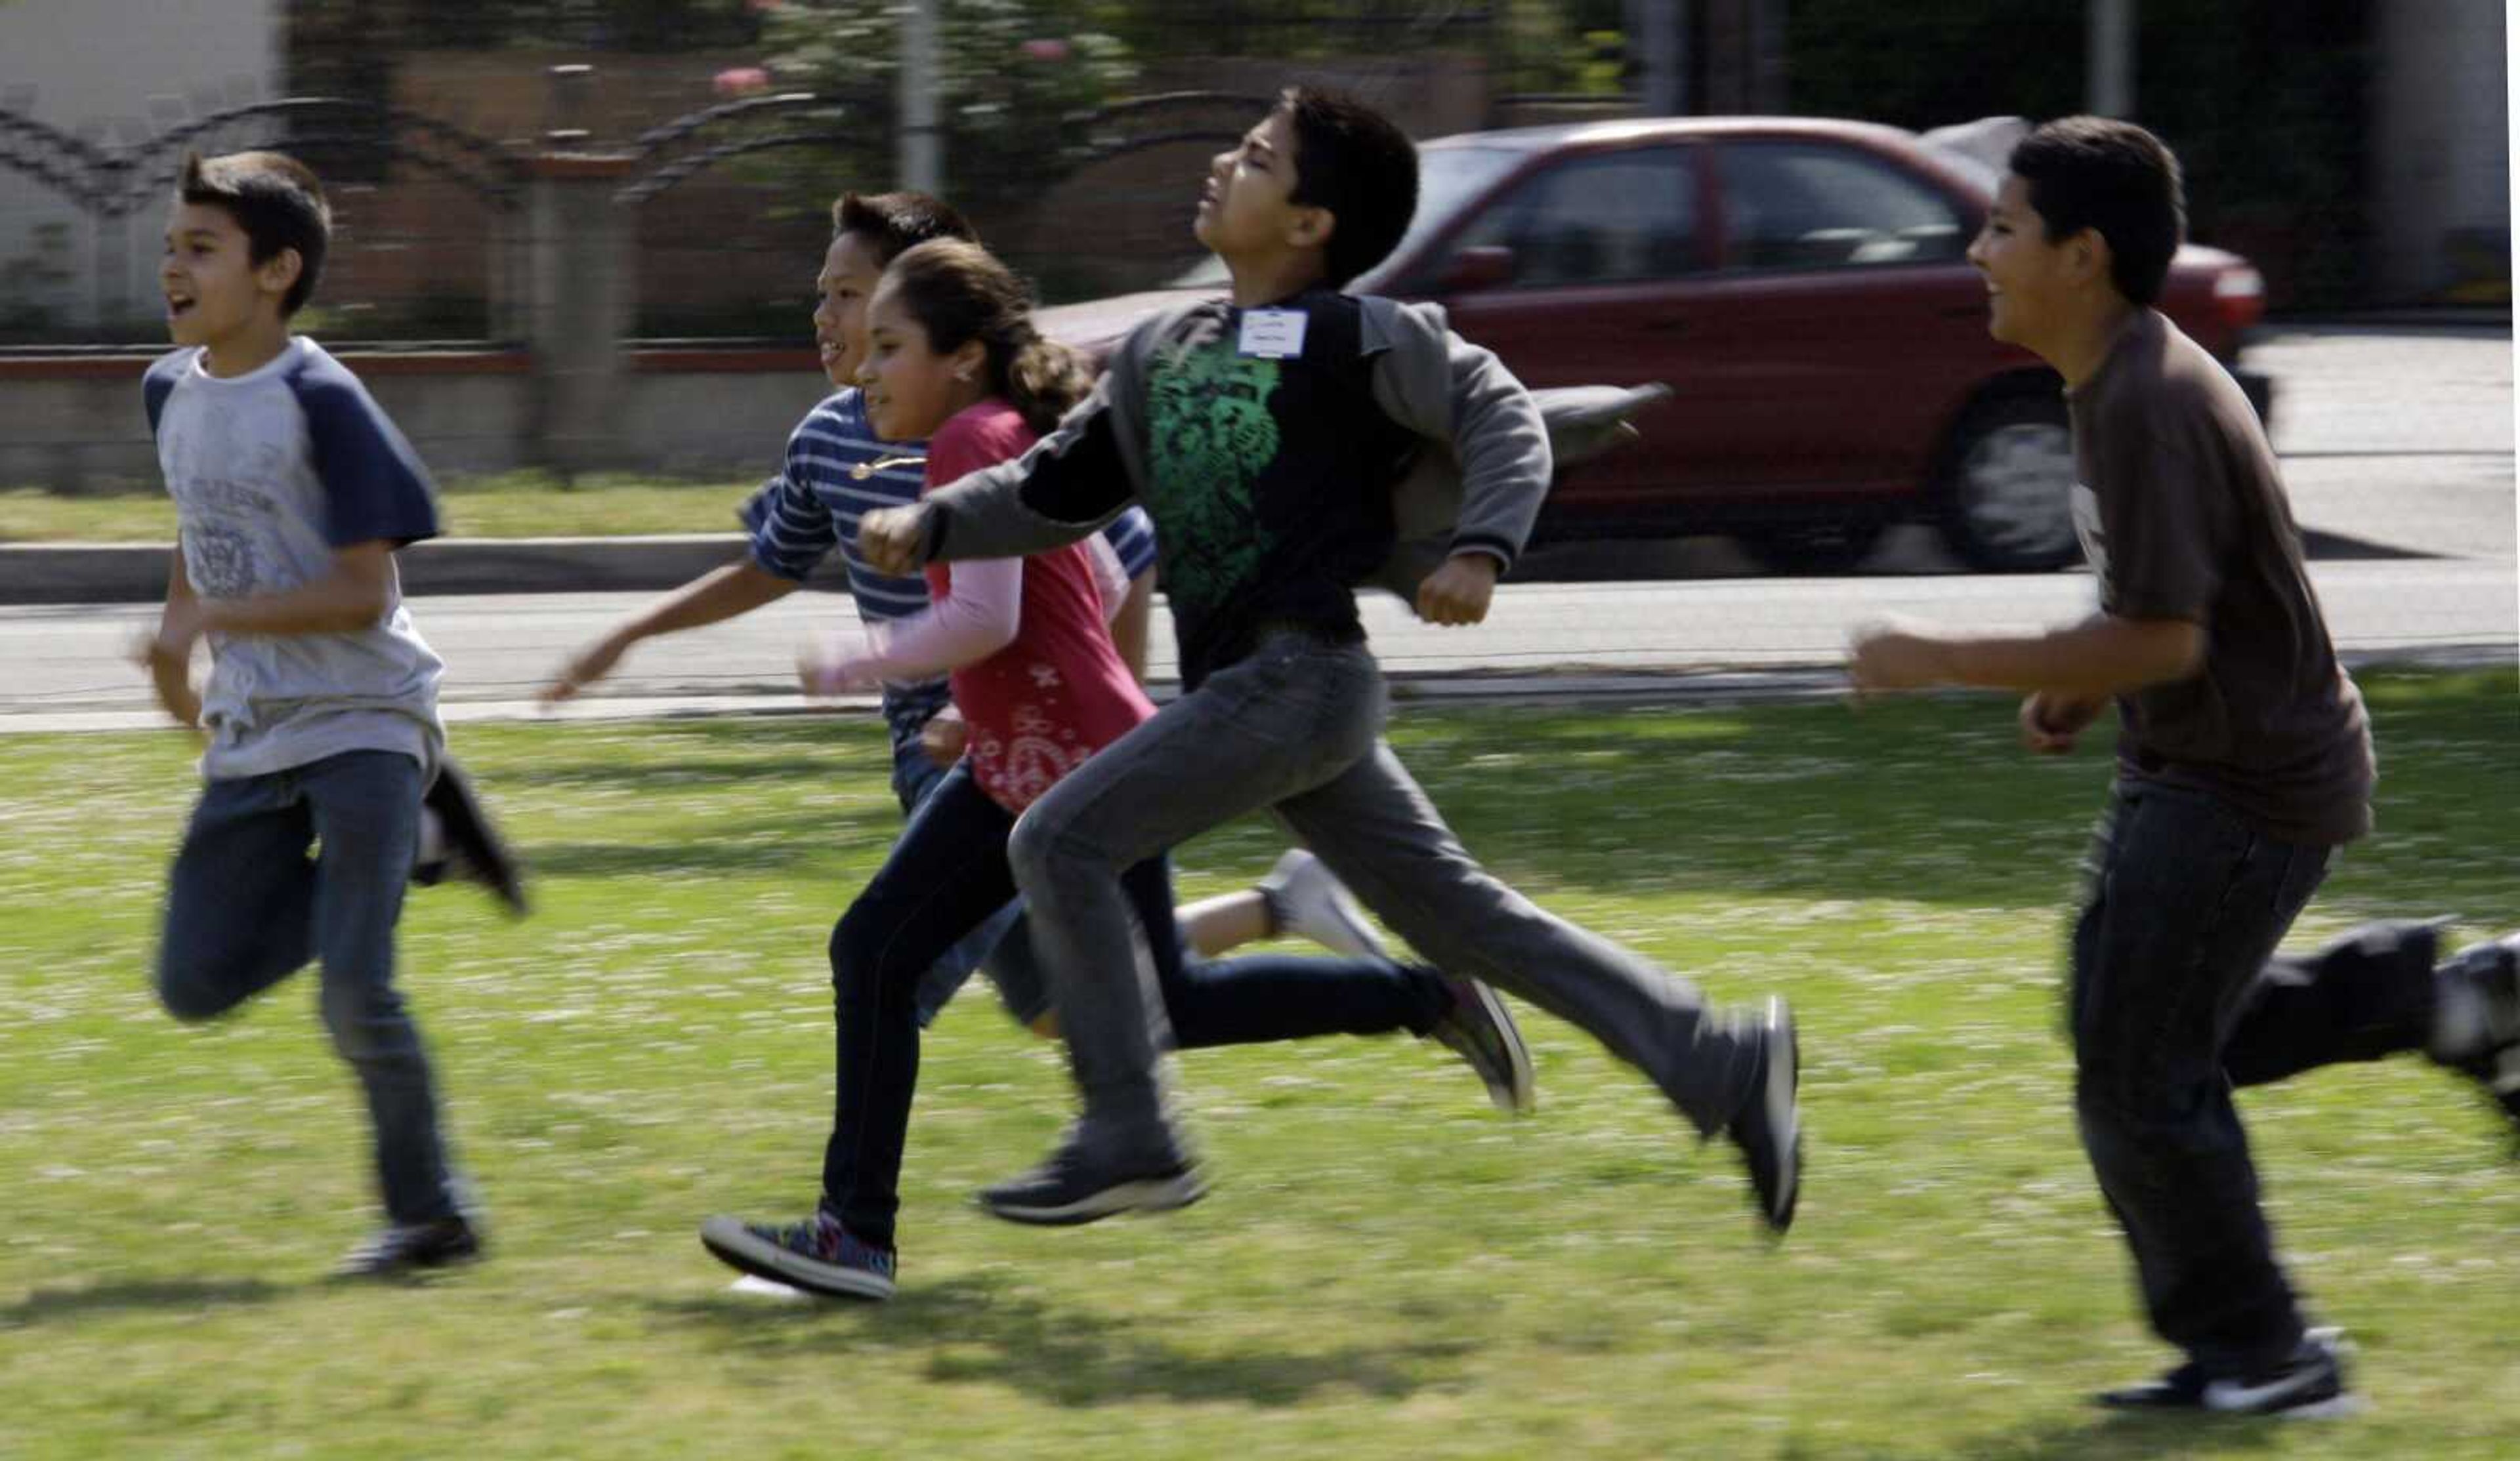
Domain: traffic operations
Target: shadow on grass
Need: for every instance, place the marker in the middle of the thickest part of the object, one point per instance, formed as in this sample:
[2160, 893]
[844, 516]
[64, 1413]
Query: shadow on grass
[975, 1332]
[2097, 1435]
[169, 1295]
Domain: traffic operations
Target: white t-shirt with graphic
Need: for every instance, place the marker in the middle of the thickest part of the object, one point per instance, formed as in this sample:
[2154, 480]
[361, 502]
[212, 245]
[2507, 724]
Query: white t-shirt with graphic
[272, 473]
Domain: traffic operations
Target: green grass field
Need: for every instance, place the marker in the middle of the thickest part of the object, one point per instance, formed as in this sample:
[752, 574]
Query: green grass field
[1385, 1268]
[512, 504]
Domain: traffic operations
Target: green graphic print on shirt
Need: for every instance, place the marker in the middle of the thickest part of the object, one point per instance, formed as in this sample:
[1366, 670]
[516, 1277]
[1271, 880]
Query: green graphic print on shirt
[1212, 435]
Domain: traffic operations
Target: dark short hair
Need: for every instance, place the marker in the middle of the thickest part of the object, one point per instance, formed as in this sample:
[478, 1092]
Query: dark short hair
[1356, 163]
[897, 221]
[2112, 176]
[276, 201]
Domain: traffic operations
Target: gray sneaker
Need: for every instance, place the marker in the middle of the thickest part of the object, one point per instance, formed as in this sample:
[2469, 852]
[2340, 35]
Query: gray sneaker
[1769, 1125]
[1480, 1030]
[1305, 899]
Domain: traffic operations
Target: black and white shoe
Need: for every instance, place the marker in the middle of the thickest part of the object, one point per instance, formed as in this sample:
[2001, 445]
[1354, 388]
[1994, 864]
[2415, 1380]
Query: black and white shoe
[1768, 1128]
[1478, 1028]
[1072, 1188]
[2307, 1384]
[2183, 1387]
[474, 852]
[2178, 1387]
[2488, 977]
[406, 1247]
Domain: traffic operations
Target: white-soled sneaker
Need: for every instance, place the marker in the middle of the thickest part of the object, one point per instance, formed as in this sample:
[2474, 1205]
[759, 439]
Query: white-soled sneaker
[1305, 899]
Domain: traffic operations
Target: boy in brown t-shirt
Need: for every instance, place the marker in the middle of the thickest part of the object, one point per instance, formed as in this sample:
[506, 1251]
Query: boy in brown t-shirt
[2244, 761]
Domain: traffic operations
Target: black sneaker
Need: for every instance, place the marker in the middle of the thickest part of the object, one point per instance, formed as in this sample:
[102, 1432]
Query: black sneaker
[1479, 1029]
[1768, 1127]
[410, 1247]
[2307, 1384]
[2179, 1388]
[2491, 974]
[1072, 1188]
[816, 1254]
[474, 851]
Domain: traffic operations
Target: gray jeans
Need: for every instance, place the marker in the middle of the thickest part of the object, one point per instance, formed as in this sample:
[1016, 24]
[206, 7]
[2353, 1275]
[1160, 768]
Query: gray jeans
[246, 907]
[1295, 728]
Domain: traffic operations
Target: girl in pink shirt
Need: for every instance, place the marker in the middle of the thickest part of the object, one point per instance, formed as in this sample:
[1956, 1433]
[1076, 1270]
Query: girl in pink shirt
[952, 357]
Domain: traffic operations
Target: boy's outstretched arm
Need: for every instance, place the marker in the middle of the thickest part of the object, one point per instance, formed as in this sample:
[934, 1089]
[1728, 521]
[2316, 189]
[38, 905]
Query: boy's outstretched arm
[1072, 482]
[721, 593]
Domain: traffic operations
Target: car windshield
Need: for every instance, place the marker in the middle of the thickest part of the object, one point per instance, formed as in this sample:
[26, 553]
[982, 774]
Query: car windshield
[1969, 166]
[1448, 177]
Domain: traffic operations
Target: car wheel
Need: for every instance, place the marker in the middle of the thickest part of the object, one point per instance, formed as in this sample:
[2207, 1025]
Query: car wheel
[1813, 548]
[2009, 490]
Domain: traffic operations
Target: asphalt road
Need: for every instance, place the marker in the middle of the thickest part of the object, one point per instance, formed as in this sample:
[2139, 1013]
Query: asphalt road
[2396, 448]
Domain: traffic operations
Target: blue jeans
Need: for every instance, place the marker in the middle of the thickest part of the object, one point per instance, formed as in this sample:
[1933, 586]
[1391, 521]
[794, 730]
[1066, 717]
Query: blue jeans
[246, 907]
[998, 943]
[948, 871]
[2170, 990]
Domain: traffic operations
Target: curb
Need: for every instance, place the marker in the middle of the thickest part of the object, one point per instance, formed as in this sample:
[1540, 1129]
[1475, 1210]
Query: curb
[33, 573]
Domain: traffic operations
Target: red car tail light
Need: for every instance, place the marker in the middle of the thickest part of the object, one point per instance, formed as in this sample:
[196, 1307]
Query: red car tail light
[2239, 296]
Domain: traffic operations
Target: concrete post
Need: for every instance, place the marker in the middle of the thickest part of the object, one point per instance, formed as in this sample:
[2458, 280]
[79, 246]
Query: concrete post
[582, 297]
[1658, 30]
[922, 144]
[2108, 58]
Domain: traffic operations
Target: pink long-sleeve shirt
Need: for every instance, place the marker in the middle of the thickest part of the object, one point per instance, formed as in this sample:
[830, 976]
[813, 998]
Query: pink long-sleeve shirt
[1026, 641]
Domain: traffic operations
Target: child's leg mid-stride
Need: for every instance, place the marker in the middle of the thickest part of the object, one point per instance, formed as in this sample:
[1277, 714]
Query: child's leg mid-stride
[945, 877]
[246, 907]
[2186, 905]
[1296, 726]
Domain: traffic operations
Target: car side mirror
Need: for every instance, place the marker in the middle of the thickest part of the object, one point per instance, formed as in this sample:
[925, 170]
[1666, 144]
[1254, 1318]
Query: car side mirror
[1483, 267]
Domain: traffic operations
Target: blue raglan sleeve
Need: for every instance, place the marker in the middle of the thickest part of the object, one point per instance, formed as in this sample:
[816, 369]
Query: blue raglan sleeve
[160, 384]
[373, 485]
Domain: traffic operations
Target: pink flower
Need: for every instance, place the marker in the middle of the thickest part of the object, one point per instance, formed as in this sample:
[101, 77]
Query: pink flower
[1046, 49]
[741, 81]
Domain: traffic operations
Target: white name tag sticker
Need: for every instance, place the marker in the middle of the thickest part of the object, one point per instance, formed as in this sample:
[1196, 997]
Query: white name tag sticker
[1273, 334]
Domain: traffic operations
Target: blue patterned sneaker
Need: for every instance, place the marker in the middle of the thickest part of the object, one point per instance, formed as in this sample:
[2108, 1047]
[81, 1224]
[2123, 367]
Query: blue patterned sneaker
[816, 1254]
[1478, 1028]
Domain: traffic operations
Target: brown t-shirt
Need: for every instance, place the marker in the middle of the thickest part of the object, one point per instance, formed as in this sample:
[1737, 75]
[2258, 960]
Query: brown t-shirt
[2184, 517]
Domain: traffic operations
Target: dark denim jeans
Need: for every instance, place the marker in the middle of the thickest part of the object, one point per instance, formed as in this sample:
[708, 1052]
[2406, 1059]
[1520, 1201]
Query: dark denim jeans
[949, 872]
[246, 907]
[2173, 980]
[995, 944]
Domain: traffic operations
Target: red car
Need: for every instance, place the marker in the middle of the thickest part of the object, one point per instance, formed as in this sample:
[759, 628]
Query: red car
[1801, 285]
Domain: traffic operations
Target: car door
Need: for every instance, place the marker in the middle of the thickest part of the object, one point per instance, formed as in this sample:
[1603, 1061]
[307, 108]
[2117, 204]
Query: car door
[1847, 317]
[1605, 248]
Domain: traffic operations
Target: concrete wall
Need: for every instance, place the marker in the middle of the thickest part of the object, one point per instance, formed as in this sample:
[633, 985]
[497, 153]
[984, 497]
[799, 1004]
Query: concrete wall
[78, 425]
[2441, 153]
[113, 72]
